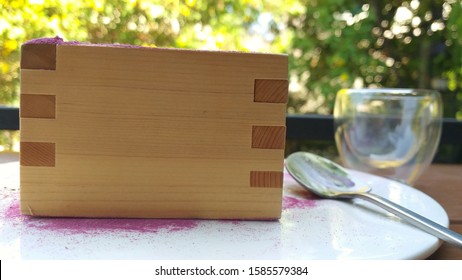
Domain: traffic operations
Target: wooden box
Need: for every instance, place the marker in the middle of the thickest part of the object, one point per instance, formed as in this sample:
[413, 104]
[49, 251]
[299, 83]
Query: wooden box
[123, 131]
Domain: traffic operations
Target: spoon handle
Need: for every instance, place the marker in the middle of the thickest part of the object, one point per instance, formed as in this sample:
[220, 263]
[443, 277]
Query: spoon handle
[415, 219]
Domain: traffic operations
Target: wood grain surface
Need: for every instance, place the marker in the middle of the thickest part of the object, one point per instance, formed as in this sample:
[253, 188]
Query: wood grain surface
[443, 182]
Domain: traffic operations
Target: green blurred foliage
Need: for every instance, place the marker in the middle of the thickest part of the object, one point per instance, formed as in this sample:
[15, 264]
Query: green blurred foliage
[331, 44]
[354, 43]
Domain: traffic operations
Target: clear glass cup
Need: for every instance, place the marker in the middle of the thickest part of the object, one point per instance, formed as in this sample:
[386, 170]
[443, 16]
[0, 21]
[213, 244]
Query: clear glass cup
[389, 132]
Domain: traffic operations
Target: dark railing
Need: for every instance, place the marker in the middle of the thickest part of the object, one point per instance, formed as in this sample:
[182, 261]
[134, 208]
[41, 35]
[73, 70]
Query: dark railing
[317, 132]
[9, 118]
[299, 127]
[321, 127]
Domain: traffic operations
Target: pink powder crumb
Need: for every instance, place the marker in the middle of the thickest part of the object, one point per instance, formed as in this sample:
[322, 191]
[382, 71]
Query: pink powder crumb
[240, 221]
[86, 225]
[288, 177]
[96, 225]
[290, 202]
[60, 41]
[52, 41]
[13, 213]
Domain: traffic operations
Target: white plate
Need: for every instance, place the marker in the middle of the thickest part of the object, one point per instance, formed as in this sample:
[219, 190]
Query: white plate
[310, 228]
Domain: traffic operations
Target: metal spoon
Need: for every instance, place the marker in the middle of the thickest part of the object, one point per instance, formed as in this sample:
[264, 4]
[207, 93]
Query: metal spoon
[328, 179]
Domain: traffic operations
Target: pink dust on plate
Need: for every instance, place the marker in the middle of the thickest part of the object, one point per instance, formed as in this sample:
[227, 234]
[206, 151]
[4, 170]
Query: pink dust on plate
[303, 199]
[290, 202]
[96, 225]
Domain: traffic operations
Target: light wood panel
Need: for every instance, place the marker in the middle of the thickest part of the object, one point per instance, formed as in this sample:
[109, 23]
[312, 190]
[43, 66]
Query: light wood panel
[162, 133]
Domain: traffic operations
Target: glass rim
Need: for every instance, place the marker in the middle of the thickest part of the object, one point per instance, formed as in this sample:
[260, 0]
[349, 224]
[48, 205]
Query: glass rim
[391, 91]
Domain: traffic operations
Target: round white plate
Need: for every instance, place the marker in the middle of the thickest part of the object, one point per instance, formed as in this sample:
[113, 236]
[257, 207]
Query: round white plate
[310, 228]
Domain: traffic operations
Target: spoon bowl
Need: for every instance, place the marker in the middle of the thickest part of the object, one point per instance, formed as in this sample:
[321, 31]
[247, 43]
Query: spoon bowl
[329, 180]
[322, 176]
